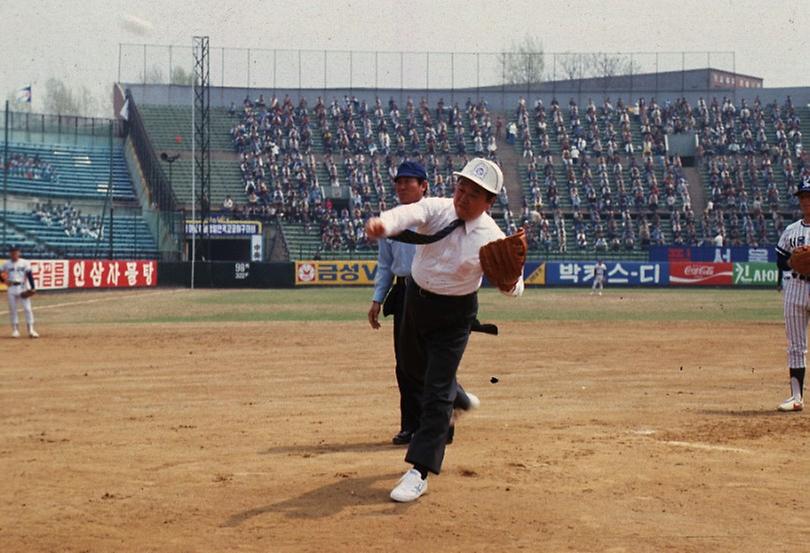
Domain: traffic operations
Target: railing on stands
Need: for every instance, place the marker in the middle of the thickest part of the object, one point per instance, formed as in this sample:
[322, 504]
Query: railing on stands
[161, 194]
[48, 128]
[279, 233]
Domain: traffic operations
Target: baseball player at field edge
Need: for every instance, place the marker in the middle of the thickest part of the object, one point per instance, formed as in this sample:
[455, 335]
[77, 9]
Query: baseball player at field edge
[442, 301]
[599, 272]
[796, 299]
[394, 261]
[16, 274]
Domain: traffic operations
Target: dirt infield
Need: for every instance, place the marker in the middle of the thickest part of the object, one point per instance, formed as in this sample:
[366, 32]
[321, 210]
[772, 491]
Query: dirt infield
[197, 421]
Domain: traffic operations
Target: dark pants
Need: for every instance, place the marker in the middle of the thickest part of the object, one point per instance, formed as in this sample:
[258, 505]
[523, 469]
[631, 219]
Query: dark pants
[438, 330]
[409, 392]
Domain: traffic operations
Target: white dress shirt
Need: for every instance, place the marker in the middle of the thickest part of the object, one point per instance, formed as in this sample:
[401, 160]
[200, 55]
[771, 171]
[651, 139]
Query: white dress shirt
[449, 267]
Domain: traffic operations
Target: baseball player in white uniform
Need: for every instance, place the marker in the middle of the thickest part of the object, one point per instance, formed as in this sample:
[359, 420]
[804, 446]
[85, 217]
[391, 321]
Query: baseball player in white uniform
[599, 273]
[796, 296]
[16, 274]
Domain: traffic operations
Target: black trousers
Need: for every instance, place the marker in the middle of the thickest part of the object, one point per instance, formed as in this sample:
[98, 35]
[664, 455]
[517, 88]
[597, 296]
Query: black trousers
[438, 331]
[410, 393]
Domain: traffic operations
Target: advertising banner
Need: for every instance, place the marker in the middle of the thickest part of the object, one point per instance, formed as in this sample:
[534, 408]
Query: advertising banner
[61, 274]
[112, 274]
[683, 273]
[619, 273]
[711, 254]
[335, 273]
[755, 274]
[534, 274]
[51, 274]
[223, 227]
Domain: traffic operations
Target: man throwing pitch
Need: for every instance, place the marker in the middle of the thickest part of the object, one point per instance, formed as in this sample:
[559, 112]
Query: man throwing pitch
[16, 274]
[442, 299]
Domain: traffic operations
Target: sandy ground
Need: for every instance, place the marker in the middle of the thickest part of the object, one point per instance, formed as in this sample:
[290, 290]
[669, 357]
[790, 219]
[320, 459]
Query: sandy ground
[275, 436]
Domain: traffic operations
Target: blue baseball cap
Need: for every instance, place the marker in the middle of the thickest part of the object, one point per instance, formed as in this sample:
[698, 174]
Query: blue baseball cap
[13, 247]
[411, 169]
[804, 186]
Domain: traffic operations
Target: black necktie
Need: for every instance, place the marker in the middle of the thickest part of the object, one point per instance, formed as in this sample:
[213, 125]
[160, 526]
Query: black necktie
[411, 237]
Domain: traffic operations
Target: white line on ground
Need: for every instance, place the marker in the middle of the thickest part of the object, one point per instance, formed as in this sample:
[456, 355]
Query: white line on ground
[114, 296]
[709, 447]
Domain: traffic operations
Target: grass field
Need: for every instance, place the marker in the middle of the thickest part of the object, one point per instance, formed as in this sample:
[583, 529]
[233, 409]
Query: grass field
[260, 420]
[351, 304]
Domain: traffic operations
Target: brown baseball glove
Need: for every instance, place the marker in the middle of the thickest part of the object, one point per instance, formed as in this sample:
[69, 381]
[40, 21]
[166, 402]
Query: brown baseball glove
[3, 276]
[800, 260]
[502, 260]
[28, 293]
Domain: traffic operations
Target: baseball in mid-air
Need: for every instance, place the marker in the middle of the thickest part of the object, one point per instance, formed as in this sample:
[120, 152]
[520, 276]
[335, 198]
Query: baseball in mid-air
[535, 216]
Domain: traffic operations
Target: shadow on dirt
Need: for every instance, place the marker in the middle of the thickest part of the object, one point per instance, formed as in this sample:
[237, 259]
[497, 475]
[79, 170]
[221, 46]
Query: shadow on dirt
[331, 499]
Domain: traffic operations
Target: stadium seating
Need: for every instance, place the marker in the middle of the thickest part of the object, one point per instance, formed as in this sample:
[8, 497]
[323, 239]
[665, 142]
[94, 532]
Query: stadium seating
[169, 127]
[79, 172]
[131, 238]
[285, 150]
[225, 180]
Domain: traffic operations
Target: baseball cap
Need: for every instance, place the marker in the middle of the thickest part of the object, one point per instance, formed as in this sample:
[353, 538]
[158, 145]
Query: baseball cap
[804, 186]
[411, 169]
[13, 247]
[484, 173]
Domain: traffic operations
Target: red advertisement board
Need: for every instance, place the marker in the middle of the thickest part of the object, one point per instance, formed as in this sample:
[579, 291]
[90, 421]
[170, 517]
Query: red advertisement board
[60, 274]
[112, 274]
[689, 273]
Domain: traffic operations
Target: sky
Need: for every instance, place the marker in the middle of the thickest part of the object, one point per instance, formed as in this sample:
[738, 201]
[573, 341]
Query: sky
[78, 42]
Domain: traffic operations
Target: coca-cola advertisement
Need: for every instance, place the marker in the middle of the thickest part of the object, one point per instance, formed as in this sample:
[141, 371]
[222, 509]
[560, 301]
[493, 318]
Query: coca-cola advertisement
[688, 273]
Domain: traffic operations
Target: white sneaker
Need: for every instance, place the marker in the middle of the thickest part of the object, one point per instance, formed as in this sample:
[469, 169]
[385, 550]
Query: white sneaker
[410, 487]
[15, 333]
[792, 404]
[33, 334]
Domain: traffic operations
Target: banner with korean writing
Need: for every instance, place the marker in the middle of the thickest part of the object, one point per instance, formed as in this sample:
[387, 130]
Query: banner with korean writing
[61, 274]
[755, 274]
[619, 273]
[224, 227]
[683, 273]
[335, 273]
[51, 274]
[112, 274]
[712, 254]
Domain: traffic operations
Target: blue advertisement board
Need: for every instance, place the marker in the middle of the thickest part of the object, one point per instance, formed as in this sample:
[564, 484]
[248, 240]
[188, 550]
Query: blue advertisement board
[619, 273]
[711, 254]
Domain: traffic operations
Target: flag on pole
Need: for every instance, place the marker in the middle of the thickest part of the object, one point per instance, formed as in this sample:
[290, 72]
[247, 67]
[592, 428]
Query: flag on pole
[124, 113]
[23, 95]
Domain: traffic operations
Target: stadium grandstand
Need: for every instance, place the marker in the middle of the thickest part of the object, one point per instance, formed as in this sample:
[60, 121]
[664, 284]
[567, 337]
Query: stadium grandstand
[68, 192]
[593, 168]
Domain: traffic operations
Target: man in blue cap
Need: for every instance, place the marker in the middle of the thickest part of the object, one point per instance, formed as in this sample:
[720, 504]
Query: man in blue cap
[393, 267]
[394, 262]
